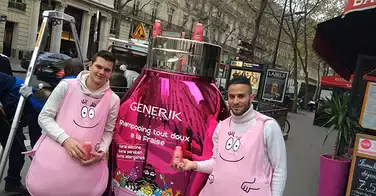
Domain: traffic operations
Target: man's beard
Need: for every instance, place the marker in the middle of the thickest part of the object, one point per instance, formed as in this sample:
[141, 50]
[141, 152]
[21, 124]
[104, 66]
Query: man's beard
[246, 108]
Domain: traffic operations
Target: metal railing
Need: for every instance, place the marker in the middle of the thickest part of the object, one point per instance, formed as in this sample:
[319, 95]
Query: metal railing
[17, 5]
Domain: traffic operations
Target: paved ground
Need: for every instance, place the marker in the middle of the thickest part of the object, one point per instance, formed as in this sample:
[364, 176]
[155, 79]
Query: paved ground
[303, 151]
[16, 65]
[303, 155]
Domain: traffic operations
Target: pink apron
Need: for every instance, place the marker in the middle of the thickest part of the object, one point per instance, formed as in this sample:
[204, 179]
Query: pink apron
[53, 172]
[240, 168]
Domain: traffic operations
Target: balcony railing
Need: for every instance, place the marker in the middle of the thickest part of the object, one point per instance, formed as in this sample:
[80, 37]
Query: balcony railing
[141, 16]
[17, 5]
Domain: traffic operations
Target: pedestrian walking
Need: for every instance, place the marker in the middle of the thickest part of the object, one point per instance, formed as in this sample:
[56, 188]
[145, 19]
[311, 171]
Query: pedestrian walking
[249, 154]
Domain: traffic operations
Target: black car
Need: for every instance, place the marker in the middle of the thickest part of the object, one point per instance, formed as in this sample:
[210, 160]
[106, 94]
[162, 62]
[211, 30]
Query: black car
[53, 72]
[50, 72]
[43, 56]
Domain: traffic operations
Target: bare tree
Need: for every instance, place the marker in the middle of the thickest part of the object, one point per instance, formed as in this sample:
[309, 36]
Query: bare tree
[293, 29]
[122, 13]
[257, 22]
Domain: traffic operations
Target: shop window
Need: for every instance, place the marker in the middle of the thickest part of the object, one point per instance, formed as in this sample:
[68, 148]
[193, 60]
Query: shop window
[17, 4]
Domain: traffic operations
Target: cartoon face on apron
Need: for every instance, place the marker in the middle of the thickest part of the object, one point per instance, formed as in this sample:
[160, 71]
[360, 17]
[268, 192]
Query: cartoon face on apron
[240, 168]
[53, 172]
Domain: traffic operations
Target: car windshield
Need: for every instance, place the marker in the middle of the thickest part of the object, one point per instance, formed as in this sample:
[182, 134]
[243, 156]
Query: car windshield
[60, 64]
[55, 56]
[134, 61]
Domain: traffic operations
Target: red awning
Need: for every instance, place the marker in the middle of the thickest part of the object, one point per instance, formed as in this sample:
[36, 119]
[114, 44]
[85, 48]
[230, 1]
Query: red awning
[358, 5]
[336, 81]
[341, 40]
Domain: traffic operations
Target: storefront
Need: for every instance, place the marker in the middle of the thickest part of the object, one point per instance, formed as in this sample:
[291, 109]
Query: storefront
[330, 85]
[347, 43]
[254, 72]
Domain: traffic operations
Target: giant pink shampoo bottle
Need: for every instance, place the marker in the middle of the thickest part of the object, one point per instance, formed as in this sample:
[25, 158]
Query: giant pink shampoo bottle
[198, 33]
[172, 103]
[156, 28]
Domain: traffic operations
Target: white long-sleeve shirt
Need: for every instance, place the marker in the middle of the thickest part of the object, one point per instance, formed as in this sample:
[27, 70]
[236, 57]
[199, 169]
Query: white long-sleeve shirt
[275, 149]
[131, 76]
[47, 116]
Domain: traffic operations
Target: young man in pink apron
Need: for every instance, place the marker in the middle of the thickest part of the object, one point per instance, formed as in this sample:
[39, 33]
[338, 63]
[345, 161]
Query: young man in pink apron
[78, 110]
[249, 154]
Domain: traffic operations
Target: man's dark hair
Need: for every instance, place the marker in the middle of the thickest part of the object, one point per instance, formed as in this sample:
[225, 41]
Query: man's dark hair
[108, 56]
[73, 67]
[241, 80]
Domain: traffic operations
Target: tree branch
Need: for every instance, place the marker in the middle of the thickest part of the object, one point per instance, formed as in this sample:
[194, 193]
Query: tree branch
[147, 3]
[313, 8]
[123, 5]
[226, 39]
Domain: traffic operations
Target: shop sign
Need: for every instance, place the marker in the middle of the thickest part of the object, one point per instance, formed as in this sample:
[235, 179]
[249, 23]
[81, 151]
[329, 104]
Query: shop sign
[237, 63]
[275, 85]
[359, 5]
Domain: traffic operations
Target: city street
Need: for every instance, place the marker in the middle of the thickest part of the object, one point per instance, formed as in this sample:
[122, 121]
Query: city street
[162, 54]
[21, 73]
[303, 152]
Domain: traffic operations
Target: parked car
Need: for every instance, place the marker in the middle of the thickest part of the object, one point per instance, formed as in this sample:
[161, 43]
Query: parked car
[43, 56]
[53, 72]
[50, 72]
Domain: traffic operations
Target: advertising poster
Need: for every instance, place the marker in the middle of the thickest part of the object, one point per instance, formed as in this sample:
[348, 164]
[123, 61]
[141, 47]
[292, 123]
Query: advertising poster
[254, 78]
[368, 114]
[362, 176]
[156, 117]
[275, 85]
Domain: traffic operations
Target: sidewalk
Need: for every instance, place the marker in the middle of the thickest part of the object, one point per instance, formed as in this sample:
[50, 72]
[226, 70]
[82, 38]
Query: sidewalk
[303, 156]
[16, 65]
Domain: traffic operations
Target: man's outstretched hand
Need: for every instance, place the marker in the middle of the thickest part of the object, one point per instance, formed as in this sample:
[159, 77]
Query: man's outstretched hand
[185, 165]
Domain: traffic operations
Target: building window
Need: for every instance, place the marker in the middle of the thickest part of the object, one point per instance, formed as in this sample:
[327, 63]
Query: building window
[136, 8]
[113, 26]
[170, 15]
[116, 4]
[154, 14]
[185, 20]
[17, 4]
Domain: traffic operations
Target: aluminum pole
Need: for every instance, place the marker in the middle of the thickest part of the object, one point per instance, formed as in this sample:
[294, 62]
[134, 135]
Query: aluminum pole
[76, 40]
[21, 102]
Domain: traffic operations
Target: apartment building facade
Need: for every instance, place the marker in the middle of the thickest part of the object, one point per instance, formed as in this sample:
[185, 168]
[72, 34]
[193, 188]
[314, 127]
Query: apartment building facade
[225, 23]
[21, 20]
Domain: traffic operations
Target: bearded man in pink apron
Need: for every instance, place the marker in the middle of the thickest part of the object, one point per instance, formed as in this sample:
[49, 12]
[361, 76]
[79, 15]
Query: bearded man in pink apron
[249, 154]
[78, 110]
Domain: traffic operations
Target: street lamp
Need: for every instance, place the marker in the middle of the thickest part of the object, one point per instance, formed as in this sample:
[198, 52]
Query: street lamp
[280, 31]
